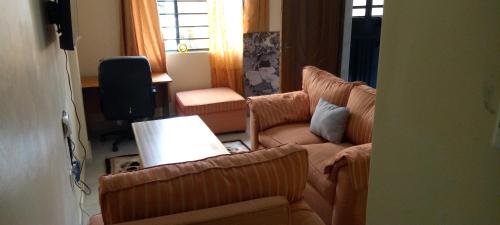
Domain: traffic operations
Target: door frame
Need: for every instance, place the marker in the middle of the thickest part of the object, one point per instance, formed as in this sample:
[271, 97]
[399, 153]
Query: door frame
[346, 40]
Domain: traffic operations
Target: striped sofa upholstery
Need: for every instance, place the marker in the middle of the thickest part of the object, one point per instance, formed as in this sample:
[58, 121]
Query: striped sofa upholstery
[281, 119]
[222, 109]
[273, 110]
[176, 188]
[318, 84]
[280, 109]
[361, 107]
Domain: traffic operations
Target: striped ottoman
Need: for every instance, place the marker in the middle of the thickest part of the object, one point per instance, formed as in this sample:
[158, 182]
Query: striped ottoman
[222, 109]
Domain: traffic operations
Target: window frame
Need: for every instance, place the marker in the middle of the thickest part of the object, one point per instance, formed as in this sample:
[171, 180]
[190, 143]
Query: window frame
[368, 9]
[177, 27]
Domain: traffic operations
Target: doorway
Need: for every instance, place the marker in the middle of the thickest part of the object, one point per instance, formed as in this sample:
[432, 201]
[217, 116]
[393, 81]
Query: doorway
[365, 40]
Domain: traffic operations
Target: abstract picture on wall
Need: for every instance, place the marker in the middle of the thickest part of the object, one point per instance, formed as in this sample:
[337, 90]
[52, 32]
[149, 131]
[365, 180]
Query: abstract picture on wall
[261, 61]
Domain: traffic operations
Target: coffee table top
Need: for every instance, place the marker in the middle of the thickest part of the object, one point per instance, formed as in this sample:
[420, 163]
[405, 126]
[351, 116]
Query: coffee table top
[175, 140]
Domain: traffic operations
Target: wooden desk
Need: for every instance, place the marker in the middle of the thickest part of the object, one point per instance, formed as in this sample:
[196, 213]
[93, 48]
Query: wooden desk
[93, 81]
[92, 106]
[175, 140]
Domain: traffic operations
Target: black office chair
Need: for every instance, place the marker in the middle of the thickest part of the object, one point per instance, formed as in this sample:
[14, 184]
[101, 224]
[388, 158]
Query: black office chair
[126, 93]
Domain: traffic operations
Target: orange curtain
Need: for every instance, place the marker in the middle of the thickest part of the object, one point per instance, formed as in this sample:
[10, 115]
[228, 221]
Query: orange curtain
[256, 16]
[141, 33]
[226, 43]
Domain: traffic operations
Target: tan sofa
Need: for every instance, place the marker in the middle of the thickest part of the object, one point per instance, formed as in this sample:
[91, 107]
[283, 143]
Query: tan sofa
[338, 173]
[263, 187]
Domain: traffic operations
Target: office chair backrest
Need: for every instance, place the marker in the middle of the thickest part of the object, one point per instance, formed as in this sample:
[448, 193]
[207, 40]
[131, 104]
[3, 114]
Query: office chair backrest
[125, 88]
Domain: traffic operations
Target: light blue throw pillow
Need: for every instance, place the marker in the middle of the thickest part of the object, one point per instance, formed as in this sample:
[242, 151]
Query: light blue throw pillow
[329, 121]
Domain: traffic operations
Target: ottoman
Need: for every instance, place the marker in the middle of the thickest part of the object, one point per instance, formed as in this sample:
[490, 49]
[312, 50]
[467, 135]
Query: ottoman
[222, 109]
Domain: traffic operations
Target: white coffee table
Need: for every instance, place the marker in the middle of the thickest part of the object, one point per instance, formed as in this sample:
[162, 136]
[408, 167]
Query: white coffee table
[175, 140]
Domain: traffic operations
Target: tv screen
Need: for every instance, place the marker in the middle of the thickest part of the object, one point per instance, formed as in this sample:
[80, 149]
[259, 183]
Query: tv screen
[60, 14]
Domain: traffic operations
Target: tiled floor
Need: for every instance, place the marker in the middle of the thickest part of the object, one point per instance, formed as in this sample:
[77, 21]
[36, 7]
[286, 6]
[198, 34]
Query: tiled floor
[96, 167]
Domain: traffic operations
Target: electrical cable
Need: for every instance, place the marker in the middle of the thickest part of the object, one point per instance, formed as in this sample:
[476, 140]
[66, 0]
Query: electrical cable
[72, 148]
[80, 184]
[86, 190]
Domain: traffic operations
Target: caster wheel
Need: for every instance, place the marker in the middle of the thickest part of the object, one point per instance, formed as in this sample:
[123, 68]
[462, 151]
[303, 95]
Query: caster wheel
[115, 148]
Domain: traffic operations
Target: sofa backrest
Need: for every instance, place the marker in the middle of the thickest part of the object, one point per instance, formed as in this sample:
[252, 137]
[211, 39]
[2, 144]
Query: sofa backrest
[175, 188]
[361, 107]
[318, 84]
[277, 109]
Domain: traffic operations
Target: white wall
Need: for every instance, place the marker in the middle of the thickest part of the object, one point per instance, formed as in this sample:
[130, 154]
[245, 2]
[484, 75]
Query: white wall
[34, 163]
[432, 157]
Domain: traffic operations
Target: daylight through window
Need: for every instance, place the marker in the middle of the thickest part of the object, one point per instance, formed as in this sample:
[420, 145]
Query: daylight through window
[184, 22]
[362, 8]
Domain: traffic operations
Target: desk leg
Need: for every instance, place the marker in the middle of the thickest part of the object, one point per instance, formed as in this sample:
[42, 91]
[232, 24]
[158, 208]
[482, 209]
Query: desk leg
[166, 110]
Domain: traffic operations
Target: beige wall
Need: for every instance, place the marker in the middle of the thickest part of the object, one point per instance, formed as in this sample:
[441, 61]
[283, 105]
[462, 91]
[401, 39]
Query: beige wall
[189, 71]
[275, 15]
[34, 167]
[100, 32]
[432, 159]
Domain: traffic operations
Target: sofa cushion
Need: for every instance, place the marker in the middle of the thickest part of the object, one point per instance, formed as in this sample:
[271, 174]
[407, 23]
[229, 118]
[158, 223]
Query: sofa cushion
[320, 156]
[329, 121]
[294, 133]
[271, 210]
[303, 214]
[361, 105]
[220, 180]
[320, 205]
[321, 84]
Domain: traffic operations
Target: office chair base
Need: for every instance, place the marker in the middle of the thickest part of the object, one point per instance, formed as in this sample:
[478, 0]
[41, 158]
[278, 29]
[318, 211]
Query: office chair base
[126, 136]
[104, 137]
[122, 135]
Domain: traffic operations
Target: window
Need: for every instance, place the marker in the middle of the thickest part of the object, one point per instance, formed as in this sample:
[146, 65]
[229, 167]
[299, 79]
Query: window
[184, 22]
[362, 8]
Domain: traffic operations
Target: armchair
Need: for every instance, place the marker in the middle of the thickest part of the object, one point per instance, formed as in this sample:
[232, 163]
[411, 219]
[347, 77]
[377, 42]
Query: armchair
[262, 187]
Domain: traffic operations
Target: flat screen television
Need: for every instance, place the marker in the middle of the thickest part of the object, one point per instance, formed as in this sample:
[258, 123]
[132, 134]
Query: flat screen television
[59, 13]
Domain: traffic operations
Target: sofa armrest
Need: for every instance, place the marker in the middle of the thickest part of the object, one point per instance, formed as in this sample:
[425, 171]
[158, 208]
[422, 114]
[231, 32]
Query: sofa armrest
[357, 161]
[270, 210]
[272, 110]
[350, 172]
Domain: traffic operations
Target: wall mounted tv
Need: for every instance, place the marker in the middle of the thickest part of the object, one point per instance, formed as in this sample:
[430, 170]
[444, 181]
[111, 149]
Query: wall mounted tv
[59, 13]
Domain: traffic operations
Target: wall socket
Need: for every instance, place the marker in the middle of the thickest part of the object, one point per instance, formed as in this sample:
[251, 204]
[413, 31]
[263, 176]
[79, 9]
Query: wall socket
[66, 125]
